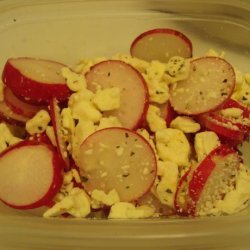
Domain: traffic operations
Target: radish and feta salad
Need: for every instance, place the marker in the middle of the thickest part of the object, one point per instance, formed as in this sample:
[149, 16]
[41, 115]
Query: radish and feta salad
[152, 134]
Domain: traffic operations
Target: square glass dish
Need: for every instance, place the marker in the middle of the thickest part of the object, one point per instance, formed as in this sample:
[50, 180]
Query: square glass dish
[68, 31]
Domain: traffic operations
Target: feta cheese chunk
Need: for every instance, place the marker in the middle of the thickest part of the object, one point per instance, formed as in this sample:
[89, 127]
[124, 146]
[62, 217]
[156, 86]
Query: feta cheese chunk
[125, 210]
[38, 123]
[204, 143]
[185, 124]
[74, 81]
[172, 145]
[237, 199]
[50, 133]
[232, 112]
[6, 137]
[154, 119]
[76, 203]
[167, 185]
[177, 69]
[68, 122]
[107, 122]
[107, 99]
[85, 110]
[107, 199]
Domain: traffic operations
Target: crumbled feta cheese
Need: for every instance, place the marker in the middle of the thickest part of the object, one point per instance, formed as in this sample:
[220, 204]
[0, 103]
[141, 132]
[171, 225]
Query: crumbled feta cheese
[107, 122]
[144, 133]
[86, 111]
[50, 133]
[84, 65]
[237, 199]
[247, 78]
[167, 185]
[158, 91]
[38, 123]
[212, 52]
[231, 112]
[137, 63]
[68, 122]
[155, 71]
[125, 210]
[107, 199]
[7, 138]
[107, 99]
[172, 145]
[76, 203]
[185, 124]
[177, 69]
[82, 130]
[82, 95]
[74, 81]
[204, 143]
[154, 119]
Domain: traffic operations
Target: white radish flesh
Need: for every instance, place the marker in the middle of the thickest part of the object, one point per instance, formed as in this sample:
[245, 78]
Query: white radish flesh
[133, 89]
[30, 175]
[58, 130]
[210, 83]
[35, 81]
[11, 117]
[18, 106]
[161, 45]
[212, 179]
[117, 158]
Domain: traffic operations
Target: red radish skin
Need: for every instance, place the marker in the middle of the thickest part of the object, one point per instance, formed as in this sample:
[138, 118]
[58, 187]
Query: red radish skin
[205, 177]
[7, 115]
[18, 187]
[161, 45]
[182, 209]
[58, 130]
[134, 92]
[35, 81]
[18, 106]
[120, 159]
[210, 83]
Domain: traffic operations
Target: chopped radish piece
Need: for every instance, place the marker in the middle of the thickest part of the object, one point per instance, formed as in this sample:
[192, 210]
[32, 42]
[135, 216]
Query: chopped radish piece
[7, 115]
[161, 45]
[222, 128]
[120, 159]
[133, 90]
[210, 83]
[212, 179]
[30, 175]
[58, 130]
[18, 106]
[35, 81]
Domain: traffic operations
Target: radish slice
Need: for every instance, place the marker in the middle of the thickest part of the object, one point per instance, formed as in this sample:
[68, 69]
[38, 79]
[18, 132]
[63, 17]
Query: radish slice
[120, 159]
[7, 115]
[161, 45]
[210, 83]
[133, 89]
[30, 175]
[58, 130]
[35, 81]
[18, 106]
[212, 179]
